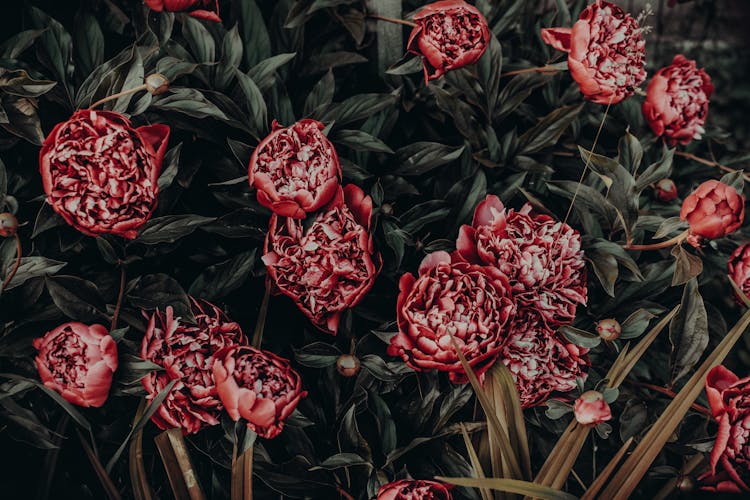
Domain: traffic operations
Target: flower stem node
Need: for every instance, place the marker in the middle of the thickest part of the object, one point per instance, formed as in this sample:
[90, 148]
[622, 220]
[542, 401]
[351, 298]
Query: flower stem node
[347, 365]
[156, 84]
[609, 329]
[8, 224]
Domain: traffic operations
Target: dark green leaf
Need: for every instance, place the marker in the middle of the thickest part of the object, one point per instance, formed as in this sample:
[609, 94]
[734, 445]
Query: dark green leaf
[688, 331]
[78, 298]
[220, 280]
[358, 140]
[421, 157]
[170, 228]
[549, 129]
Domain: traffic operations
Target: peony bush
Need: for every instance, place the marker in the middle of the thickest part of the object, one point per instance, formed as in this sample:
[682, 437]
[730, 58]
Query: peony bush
[372, 250]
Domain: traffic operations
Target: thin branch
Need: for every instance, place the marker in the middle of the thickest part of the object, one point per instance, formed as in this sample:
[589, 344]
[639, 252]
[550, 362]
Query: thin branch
[392, 20]
[711, 163]
[662, 390]
[118, 95]
[120, 295]
[536, 69]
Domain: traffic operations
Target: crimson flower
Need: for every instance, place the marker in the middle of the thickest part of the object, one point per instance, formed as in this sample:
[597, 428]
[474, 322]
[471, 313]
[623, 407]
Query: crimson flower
[258, 386]
[676, 102]
[411, 489]
[712, 211]
[448, 35]
[729, 398]
[540, 360]
[295, 169]
[606, 52]
[452, 302]
[100, 174]
[77, 361]
[200, 9]
[326, 264]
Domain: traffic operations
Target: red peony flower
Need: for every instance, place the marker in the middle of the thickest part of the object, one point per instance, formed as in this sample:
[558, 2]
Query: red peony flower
[452, 300]
[713, 210]
[201, 9]
[592, 409]
[606, 52]
[258, 386]
[328, 264]
[676, 102]
[410, 489]
[295, 169]
[100, 174]
[665, 190]
[739, 269]
[77, 361]
[448, 35]
[542, 258]
[729, 398]
[541, 361]
[186, 352]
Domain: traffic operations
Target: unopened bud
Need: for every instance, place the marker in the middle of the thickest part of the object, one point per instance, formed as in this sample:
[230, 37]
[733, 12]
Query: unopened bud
[156, 84]
[8, 224]
[609, 329]
[347, 365]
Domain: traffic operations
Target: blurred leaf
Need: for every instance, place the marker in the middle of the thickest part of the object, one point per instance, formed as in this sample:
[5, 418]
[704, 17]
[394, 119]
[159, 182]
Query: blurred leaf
[511, 486]
[156, 291]
[89, 42]
[255, 102]
[341, 460]
[635, 324]
[580, 337]
[254, 33]
[630, 152]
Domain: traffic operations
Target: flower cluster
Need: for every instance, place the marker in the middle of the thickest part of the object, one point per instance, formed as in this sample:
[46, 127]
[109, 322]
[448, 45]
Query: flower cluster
[325, 263]
[514, 278]
[606, 52]
[212, 369]
[729, 398]
[77, 361]
[448, 35]
[186, 353]
[100, 174]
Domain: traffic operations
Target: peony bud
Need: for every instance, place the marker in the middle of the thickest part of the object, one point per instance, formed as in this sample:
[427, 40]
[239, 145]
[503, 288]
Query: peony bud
[387, 209]
[347, 365]
[685, 484]
[156, 84]
[665, 190]
[8, 224]
[609, 329]
[592, 409]
[713, 210]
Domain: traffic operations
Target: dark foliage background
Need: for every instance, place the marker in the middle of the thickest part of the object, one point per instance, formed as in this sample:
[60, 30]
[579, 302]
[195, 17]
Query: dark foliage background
[426, 155]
